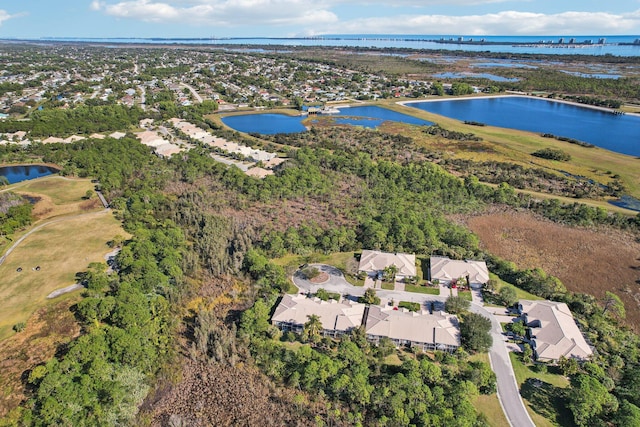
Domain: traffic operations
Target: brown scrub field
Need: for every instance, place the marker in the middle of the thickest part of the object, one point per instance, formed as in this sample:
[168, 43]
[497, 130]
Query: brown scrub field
[586, 260]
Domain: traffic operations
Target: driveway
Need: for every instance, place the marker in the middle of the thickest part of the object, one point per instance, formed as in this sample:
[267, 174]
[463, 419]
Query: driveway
[508, 392]
[335, 283]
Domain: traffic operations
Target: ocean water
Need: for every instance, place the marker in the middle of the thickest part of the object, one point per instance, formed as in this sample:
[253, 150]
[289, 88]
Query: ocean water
[612, 45]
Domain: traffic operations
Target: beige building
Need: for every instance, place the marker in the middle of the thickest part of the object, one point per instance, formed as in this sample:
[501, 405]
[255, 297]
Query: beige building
[553, 331]
[446, 270]
[373, 262]
[337, 318]
[437, 331]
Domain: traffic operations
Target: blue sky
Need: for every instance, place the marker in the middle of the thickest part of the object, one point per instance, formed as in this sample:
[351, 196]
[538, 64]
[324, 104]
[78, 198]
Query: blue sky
[287, 18]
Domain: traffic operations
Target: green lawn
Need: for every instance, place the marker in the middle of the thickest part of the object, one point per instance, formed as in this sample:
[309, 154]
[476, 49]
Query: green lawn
[422, 289]
[488, 404]
[411, 306]
[542, 397]
[520, 293]
[466, 295]
[388, 286]
[524, 372]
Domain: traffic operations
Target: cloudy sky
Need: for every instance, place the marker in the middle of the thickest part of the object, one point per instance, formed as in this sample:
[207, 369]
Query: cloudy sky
[288, 18]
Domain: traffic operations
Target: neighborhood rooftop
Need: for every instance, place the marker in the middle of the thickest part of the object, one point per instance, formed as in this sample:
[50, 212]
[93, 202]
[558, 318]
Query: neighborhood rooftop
[554, 332]
[437, 331]
[445, 270]
[375, 261]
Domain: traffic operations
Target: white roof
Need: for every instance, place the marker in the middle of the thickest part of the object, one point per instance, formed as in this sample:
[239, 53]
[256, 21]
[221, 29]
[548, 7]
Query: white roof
[397, 324]
[117, 135]
[558, 334]
[334, 315]
[418, 327]
[445, 269]
[52, 139]
[374, 261]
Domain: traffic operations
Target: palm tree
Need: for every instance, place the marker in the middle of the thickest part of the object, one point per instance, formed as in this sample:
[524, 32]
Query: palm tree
[312, 328]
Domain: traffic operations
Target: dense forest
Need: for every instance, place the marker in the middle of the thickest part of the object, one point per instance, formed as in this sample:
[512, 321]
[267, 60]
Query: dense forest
[197, 222]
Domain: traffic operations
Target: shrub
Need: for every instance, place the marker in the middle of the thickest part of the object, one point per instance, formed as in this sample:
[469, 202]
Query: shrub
[310, 272]
[19, 327]
[552, 154]
[411, 306]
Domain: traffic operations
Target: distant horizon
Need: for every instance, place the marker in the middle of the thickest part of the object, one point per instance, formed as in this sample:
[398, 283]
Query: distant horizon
[319, 36]
[308, 18]
[595, 45]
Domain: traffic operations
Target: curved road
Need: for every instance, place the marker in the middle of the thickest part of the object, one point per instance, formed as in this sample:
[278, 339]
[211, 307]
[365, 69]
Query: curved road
[508, 392]
[193, 91]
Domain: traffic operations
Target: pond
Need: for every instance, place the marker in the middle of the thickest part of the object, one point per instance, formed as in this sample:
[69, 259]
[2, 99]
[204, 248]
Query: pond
[619, 133]
[367, 116]
[25, 172]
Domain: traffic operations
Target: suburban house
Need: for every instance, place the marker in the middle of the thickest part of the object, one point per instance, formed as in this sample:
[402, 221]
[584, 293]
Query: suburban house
[437, 331]
[445, 270]
[553, 331]
[374, 262]
[337, 318]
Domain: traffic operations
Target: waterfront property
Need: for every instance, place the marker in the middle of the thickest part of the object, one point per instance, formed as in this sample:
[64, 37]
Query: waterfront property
[424, 330]
[599, 127]
[374, 262]
[445, 270]
[553, 332]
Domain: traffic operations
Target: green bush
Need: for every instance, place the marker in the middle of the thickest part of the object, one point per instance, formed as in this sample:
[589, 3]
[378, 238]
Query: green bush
[552, 154]
[411, 306]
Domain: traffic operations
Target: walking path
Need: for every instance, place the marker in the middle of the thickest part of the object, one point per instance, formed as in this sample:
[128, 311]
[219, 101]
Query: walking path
[508, 392]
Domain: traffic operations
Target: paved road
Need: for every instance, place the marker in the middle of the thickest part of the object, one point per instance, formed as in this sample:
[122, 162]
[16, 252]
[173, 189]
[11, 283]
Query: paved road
[193, 91]
[508, 392]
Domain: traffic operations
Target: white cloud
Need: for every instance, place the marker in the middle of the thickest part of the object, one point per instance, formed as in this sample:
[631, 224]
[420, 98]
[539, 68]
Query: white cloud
[5, 16]
[222, 12]
[507, 22]
[318, 17]
[423, 3]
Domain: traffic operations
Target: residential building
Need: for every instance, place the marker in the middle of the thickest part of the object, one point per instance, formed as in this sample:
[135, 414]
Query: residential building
[337, 318]
[446, 270]
[374, 262]
[553, 331]
[437, 331]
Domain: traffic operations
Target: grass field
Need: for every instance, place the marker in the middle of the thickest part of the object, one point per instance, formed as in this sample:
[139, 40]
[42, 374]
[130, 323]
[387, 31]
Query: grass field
[58, 196]
[61, 250]
[60, 190]
[520, 293]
